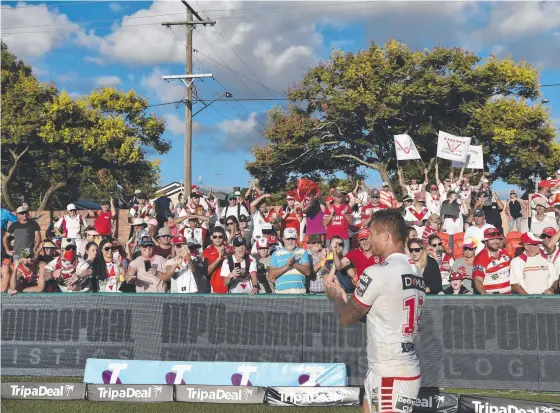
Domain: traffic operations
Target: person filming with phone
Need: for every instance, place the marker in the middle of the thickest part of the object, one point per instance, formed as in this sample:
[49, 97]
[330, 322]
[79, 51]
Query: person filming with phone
[239, 271]
[148, 270]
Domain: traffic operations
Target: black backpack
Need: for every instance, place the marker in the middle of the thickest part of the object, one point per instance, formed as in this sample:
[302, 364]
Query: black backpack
[246, 276]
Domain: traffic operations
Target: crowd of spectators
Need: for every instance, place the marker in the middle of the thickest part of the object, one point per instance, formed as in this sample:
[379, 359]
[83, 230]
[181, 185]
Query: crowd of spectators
[248, 247]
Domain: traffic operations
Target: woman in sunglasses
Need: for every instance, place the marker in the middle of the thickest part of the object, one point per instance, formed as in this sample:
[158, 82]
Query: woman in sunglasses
[426, 264]
[464, 264]
[439, 253]
[233, 229]
[107, 275]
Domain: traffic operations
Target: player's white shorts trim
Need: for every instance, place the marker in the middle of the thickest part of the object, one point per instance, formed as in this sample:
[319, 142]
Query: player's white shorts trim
[391, 394]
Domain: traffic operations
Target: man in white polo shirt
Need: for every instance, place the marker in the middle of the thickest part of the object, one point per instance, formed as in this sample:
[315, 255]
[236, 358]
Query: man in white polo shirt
[531, 272]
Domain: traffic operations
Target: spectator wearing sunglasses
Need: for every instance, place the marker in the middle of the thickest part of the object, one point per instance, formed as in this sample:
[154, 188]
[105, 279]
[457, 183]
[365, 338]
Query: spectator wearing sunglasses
[318, 255]
[464, 265]
[290, 265]
[214, 257]
[531, 272]
[491, 270]
[438, 252]
[148, 270]
[163, 240]
[68, 268]
[359, 258]
[550, 249]
[426, 264]
[181, 268]
[108, 274]
[513, 212]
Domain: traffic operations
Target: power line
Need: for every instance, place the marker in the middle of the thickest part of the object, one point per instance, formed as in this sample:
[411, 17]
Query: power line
[551, 84]
[63, 4]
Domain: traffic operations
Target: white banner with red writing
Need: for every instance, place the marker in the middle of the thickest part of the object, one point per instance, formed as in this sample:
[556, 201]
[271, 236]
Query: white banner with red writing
[453, 148]
[405, 148]
[475, 159]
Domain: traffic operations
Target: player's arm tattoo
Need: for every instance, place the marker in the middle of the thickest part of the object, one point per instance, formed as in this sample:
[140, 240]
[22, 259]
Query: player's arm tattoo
[349, 313]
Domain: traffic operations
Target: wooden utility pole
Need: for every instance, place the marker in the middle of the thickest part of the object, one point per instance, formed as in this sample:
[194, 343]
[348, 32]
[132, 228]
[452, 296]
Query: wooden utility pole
[189, 23]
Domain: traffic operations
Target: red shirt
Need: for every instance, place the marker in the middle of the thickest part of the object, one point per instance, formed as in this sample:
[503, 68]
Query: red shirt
[103, 223]
[367, 212]
[290, 216]
[339, 224]
[360, 261]
[211, 254]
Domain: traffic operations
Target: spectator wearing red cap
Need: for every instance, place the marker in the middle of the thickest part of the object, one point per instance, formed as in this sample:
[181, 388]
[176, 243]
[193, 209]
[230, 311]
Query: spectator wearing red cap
[359, 258]
[531, 272]
[492, 265]
[456, 286]
[514, 211]
[338, 218]
[541, 219]
[543, 195]
[434, 200]
[417, 214]
[464, 265]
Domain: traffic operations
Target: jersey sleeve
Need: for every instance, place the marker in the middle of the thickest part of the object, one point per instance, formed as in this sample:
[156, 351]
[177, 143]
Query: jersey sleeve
[224, 272]
[479, 265]
[252, 265]
[369, 287]
[516, 272]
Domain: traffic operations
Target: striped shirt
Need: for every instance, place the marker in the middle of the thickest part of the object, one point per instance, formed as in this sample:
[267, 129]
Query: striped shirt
[494, 271]
[291, 279]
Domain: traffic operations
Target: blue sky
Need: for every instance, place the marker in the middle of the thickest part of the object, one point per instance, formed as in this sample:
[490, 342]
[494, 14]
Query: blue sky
[82, 45]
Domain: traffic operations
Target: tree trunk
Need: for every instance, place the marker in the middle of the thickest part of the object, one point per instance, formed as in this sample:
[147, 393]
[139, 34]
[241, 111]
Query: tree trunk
[6, 179]
[53, 188]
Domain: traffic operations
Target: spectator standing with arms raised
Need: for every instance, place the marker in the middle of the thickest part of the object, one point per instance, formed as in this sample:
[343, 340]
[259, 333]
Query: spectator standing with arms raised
[337, 219]
[388, 198]
[391, 295]
[104, 220]
[417, 214]
[492, 266]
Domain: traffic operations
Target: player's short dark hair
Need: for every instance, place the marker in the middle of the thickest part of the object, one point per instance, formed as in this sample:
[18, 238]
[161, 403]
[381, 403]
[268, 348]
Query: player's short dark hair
[391, 221]
[432, 237]
[219, 230]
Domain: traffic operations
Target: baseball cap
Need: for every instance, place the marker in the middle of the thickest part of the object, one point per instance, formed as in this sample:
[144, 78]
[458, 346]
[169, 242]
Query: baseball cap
[146, 241]
[288, 196]
[193, 243]
[67, 242]
[26, 253]
[363, 233]
[470, 242]
[544, 184]
[407, 198]
[479, 213]
[238, 241]
[48, 244]
[491, 233]
[540, 202]
[375, 192]
[153, 222]
[104, 202]
[549, 231]
[290, 233]
[231, 195]
[312, 238]
[179, 240]
[328, 199]
[22, 209]
[455, 276]
[420, 196]
[262, 243]
[513, 192]
[529, 238]
[485, 180]
[163, 232]
[272, 240]
[142, 195]
[433, 187]
[237, 193]
[137, 192]
[138, 221]
[70, 207]
[243, 218]
[92, 232]
[385, 184]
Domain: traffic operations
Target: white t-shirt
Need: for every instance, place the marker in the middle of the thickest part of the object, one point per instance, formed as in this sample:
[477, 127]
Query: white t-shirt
[478, 234]
[182, 280]
[236, 211]
[394, 291]
[443, 192]
[434, 205]
[246, 285]
[257, 220]
[538, 226]
[534, 274]
[71, 225]
[413, 215]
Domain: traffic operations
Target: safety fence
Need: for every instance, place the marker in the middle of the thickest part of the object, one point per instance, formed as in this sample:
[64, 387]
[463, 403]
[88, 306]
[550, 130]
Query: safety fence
[464, 342]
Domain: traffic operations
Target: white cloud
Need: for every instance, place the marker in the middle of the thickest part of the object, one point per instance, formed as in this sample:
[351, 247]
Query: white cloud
[116, 7]
[36, 29]
[174, 124]
[165, 91]
[94, 59]
[240, 134]
[108, 81]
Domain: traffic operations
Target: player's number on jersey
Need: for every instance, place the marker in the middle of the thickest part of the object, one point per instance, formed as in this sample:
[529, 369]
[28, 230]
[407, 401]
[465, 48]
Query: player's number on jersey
[413, 307]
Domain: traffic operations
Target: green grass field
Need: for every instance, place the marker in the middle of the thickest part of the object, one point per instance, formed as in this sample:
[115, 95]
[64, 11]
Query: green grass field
[46, 406]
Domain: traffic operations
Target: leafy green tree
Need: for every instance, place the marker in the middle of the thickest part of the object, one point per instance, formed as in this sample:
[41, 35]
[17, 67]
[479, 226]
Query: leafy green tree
[55, 148]
[344, 113]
